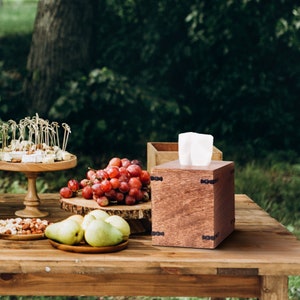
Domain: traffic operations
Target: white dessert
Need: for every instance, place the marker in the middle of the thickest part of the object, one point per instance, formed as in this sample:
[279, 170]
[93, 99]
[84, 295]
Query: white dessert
[36, 157]
[13, 155]
[49, 159]
[33, 140]
[63, 155]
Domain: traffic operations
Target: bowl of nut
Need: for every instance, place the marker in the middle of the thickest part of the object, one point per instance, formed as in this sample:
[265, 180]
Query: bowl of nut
[23, 229]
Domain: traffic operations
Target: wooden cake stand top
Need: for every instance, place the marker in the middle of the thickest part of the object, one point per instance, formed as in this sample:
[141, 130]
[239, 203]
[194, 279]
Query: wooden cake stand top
[38, 167]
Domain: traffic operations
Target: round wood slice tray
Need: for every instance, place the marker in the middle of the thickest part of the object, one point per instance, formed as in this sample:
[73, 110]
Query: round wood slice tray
[138, 216]
[89, 249]
[39, 167]
[22, 237]
[82, 206]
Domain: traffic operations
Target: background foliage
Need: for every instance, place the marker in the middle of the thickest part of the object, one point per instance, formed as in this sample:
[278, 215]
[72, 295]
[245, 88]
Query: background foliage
[232, 64]
[227, 68]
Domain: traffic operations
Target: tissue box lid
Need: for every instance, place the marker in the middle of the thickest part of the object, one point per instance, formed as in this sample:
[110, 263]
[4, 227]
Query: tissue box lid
[192, 206]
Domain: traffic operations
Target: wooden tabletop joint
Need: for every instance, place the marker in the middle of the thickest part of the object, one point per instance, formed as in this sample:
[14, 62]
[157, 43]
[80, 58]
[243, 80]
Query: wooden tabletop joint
[237, 271]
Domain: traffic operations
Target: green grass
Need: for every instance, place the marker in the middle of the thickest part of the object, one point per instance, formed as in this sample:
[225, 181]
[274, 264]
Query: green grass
[294, 287]
[275, 187]
[17, 17]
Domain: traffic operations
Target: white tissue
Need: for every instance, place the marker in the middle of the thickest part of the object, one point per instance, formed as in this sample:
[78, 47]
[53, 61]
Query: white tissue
[195, 149]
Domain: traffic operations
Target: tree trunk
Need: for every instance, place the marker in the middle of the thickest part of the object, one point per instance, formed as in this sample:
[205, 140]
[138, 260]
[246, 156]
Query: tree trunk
[62, 43]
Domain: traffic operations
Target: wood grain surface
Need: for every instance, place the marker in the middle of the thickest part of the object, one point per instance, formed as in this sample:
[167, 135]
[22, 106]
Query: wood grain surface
[254, 261]
[138, 216]
[85, 248]
[187, 212]
[82, 206]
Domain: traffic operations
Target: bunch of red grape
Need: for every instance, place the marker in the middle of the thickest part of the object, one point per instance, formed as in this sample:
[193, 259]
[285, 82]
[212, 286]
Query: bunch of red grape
[121, 182]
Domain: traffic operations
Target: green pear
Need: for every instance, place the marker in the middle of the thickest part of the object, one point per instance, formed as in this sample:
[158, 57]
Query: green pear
[78, 218]
[121, 224]
[99, 214]
[67, 232]
[100, 233]
[87, 219]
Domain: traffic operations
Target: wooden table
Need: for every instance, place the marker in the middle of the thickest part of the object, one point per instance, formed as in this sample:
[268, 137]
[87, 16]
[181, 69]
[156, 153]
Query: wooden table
[254, 261]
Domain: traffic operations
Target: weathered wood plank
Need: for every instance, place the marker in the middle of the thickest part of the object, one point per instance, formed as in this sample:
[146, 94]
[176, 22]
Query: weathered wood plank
[255, 259]
[129, 284]
[274, 288]
[9, 203]
[269, 248]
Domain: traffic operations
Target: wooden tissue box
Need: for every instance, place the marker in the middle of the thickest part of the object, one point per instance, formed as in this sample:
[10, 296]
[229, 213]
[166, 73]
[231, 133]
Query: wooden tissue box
[162, 152]
[192, 206]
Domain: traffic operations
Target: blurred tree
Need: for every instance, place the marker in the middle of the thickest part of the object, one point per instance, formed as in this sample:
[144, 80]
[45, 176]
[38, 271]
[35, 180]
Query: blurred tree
[228, 68]
[63, 41]
[233, 64]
